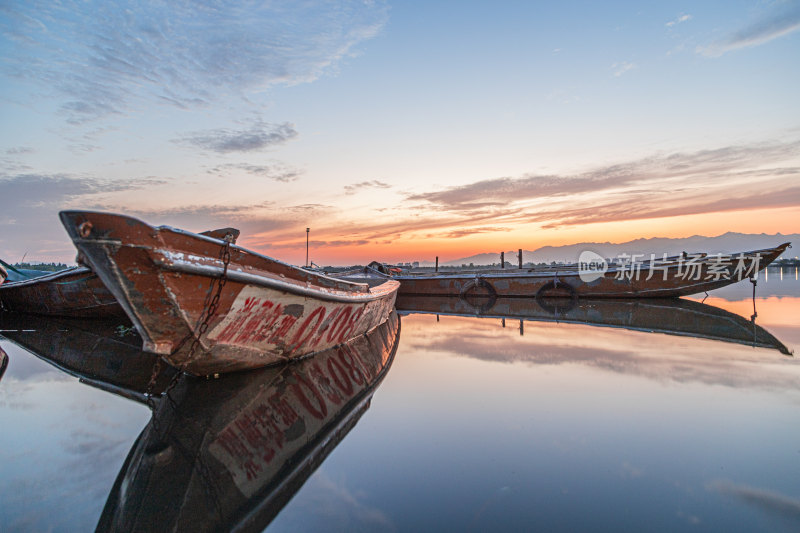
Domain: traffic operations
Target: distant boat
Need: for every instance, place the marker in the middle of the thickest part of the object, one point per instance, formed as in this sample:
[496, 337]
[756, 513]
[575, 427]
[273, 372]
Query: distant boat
[671, 316]
[228, 454]
[662, 277]
[208, 306]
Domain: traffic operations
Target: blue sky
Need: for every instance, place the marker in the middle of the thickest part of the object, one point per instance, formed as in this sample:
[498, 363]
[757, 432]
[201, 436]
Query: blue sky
[400, 130]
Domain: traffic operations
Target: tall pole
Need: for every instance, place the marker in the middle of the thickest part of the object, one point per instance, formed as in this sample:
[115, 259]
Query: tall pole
[307, 230]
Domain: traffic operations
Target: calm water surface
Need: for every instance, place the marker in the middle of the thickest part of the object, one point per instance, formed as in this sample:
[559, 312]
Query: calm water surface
[509, 422]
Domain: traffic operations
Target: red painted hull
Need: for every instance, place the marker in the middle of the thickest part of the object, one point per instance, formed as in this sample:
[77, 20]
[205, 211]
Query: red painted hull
[672, 278]
[268, 311]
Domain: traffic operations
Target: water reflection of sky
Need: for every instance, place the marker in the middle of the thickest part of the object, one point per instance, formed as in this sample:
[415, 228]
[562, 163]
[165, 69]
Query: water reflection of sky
[61, 446]
[479, 428]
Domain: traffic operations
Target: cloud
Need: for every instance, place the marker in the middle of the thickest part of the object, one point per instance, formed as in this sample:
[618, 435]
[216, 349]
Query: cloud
[724, 179]
[466, 232]
[681, 18]
[18, 150]
[256, 138]
[103, 59]
[330, 505]
[308, 207]
[36, 190]
[641, 207]
[316, 244]
[760, 32]
[622, 68]
[501, 192]
[770, 502]
[374, 184]
[250, 219]
[29, 205]
[275, 171]
[738, 177]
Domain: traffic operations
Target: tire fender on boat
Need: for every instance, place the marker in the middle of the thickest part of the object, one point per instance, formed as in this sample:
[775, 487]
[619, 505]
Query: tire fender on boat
[464, 294]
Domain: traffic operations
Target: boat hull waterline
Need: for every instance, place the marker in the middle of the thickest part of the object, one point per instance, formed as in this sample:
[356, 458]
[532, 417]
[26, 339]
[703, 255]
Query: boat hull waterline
[268, 311]
[659, 278]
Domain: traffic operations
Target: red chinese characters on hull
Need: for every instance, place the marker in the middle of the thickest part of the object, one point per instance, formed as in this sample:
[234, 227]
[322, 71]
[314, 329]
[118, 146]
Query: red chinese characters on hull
[260, 322]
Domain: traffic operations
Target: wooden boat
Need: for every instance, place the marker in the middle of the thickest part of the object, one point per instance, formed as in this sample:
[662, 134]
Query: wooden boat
[671, 316]
[13, 273]
[666, 277]
[106, 354]
[208, 306]
[228, 454]
[73, 292]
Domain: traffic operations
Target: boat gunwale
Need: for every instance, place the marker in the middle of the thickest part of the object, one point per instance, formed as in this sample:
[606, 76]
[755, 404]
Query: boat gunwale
[355, 286]
[168, 261]
[48, 277]
[321, 293]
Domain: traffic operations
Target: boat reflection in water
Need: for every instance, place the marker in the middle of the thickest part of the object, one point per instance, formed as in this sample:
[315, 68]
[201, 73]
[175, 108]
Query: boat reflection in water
[672, 316]
[229, 453]
[218, 454]
[106, 354]
[3, 362]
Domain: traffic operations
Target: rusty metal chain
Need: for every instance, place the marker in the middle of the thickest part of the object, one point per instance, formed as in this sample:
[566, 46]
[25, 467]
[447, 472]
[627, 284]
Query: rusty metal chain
[211, 310]
[151, 403]
[208, 313]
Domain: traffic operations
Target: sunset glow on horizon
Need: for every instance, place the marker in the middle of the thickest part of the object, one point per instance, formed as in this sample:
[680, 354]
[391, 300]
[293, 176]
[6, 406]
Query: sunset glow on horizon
[400, 131]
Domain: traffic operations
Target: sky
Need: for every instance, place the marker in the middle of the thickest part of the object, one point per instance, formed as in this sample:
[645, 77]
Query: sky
[400, 131]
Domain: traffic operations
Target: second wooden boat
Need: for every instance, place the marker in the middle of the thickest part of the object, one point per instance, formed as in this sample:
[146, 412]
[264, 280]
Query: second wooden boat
[73, 292]
[657, 278]
[208, 306]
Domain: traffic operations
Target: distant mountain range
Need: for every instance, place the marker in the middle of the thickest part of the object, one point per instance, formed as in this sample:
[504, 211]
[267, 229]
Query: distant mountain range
[727, 243]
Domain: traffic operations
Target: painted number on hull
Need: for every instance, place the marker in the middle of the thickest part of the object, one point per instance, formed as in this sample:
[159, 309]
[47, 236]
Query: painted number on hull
[255, 321]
